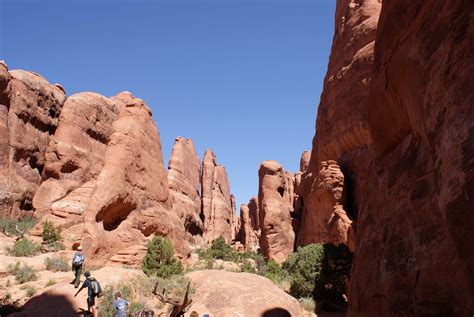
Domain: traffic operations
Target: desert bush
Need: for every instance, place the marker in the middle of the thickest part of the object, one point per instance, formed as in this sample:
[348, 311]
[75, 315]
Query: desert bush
[335, 273]
[304, 268]
[271, 270]
[159, 260]
[7, 225]
[50, 233]
[24, 247]
[23, 273]
[54, 246]
[308, 304]
[50, 282]
[57, 264]
[30, 290]
[247, 267]
[219, 250]
[174, 290]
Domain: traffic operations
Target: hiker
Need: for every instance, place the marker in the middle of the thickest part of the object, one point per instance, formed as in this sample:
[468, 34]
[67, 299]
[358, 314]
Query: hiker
[120, 305]
[93, 290]
[77, 264]
[194, 314]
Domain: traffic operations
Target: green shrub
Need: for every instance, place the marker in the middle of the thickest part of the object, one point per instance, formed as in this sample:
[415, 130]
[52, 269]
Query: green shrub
[7, 225]
[24, 247]
[159, 260]
[23, 273]
[50, 282]
[247, 267]
[30, 290]
[57, 264]
[50, 233]
[304, 268]
[54, 246]
[274, 272]
[335, 273]
[308, 304]
[219, 250]
[175, 287]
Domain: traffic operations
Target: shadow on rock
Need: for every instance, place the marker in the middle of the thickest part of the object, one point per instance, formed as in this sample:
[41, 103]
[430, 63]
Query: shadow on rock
[276, 312]
[48, 305]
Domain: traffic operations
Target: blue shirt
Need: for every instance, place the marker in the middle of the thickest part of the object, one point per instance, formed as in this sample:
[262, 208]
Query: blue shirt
[120, 306]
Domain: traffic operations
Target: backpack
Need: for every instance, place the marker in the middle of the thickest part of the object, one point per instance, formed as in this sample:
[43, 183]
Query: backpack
[78, 259]
[96, 289]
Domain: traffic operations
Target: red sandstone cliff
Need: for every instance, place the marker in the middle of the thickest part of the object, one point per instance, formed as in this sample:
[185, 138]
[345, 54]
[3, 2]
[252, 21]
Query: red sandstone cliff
[218, 207]
[396, 119]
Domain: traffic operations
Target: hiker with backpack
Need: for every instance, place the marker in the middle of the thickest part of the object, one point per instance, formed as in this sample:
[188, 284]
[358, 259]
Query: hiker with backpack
[120, 305]
[93, 290]
[77, 264]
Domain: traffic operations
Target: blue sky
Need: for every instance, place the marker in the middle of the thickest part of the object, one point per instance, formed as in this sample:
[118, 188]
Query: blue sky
[240, 77]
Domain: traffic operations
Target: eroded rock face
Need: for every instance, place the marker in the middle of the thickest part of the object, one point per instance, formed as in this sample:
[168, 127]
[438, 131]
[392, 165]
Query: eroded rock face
[342, 129]
[249, 225]
[398, 120]
[414, 248]
[216, 200]
[29, 112]
[184, 178]
[275, 198]
[131, 197]
[328, 221]
[75, 155]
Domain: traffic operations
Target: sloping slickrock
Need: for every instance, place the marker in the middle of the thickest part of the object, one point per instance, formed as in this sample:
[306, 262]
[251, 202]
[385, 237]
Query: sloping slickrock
[331, 223]
[414, 248]
[75, 155]
[131, 198]
[228, 294]
[275, 206]
[184, 178]
[216, 200]
[29, 112]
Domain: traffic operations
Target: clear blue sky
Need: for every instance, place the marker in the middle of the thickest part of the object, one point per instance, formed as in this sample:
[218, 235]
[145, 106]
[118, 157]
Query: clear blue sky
[240, 77]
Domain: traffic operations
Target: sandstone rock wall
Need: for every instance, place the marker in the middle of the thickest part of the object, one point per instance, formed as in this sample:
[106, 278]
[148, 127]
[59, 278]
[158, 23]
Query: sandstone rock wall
[250, 225]
[29, 112]
[275, 204]
[393, 151]
[342, 129]
[415, 233]
[218, 212]
[184, 178]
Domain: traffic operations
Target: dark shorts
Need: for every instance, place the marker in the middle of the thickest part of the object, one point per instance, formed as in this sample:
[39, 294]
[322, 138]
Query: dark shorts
[91, 300]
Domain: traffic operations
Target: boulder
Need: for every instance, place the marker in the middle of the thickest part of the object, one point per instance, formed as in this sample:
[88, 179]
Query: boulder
[221, 293]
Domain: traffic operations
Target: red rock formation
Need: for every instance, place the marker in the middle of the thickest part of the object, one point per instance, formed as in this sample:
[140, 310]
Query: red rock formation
[342, 130]
[29, 111]
[249, 225]
[398, 121]
[184, 178]
[75, 156]
[131, 197]
[304, 160]
[216, 200]
[328, 221]
[414, 248]
[275, 206]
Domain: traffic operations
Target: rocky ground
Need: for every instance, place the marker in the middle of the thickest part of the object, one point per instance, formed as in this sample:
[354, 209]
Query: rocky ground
[217, 292]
